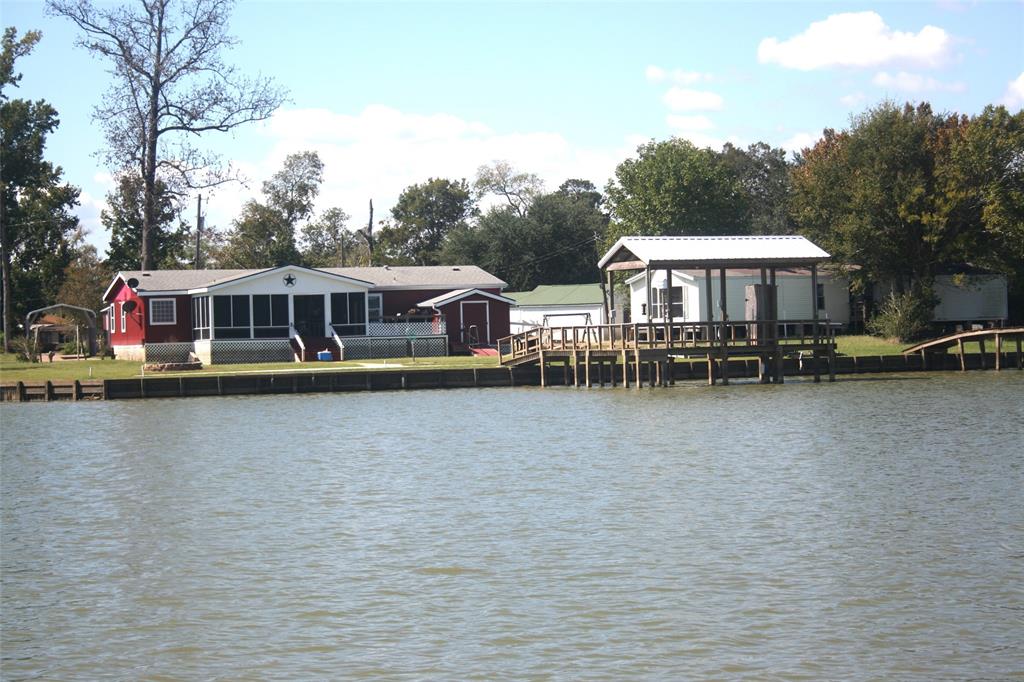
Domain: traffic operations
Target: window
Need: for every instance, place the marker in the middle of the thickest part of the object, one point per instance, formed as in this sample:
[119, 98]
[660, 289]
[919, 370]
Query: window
[659, 299]
[374, 307]
[270, 316]
[231, 317]
[348, 314]
[201, 317]
[820, 295]
[163, 311]
[124, 319]
[111, 322]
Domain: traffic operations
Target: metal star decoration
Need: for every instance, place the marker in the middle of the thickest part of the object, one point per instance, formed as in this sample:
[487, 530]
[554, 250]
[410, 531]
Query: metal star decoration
[289, 281]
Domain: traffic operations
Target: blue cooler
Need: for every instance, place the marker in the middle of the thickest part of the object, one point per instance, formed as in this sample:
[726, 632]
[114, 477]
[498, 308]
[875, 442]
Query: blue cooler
[324, 356]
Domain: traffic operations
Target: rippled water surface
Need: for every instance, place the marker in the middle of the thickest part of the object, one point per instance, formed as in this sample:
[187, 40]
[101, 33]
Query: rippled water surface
[857, 530]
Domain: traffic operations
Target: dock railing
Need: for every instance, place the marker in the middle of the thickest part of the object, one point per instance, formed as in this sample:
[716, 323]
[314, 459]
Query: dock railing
[689, 336]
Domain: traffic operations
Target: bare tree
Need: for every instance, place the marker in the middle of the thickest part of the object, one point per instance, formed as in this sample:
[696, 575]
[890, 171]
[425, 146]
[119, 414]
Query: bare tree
[519, 189]
[170, 85]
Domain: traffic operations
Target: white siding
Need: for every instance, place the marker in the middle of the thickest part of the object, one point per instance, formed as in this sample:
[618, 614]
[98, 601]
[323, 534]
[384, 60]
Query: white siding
[983, 297]
[522, 318]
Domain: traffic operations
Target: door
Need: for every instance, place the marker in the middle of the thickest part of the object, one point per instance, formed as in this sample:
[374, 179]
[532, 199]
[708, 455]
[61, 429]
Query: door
[475, 324]
[309, 315]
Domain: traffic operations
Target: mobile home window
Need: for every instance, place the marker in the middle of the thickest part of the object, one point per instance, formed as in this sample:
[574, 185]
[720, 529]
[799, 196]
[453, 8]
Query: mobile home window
[163, 311]
[231, 317]
[374, 307]
[821, 296]
[348, 314]
[124, 319]
[111, 322]
[270, 316]
[201, 317]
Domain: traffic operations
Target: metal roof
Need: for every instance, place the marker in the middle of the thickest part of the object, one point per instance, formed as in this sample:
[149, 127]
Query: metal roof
[559, 294]
[631, 253]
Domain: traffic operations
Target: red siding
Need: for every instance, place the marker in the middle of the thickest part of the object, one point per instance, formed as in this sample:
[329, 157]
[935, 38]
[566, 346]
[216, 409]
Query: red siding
[400, 302]
[497, 311]
[137, 328]
[170, 333]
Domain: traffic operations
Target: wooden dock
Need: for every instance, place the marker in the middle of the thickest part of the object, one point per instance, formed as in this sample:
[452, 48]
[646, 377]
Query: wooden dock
[997, 335]
[602, 350]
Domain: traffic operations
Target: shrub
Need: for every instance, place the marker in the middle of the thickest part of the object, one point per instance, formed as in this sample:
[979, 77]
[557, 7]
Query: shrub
[905, 317]
[25, 349]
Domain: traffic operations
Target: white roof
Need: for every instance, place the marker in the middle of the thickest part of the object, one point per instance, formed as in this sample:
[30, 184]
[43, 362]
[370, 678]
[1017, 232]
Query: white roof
[459, 294]
[701, 252]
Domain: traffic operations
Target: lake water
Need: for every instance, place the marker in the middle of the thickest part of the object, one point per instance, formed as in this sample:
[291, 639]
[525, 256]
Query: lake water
[867, 529]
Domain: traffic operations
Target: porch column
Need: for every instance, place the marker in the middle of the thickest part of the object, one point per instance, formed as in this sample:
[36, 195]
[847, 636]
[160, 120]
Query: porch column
[668, 315]
[647, 277]
[709, 302]
[609, 306]
[725, 327]
[814, 300]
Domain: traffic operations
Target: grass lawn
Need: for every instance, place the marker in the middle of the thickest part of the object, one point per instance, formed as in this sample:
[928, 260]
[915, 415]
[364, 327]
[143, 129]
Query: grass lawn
[868, 345]
[12, 370]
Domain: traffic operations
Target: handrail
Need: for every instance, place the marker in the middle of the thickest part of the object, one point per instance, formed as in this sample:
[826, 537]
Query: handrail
[341, 346]
[293, 333]
[662, 335]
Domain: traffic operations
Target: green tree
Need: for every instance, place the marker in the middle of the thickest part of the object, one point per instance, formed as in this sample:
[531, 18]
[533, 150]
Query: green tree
[554, 243]
[870, 196]
[35, 218]
[518, 190]
[85, 279]
[328, 243]
[169, 247]
[674, 188]
[264, 235]
[170, 87]
[422, 219]
[762, 173]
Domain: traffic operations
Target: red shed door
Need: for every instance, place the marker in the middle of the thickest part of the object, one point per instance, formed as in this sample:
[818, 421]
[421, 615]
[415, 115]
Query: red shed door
[475, 324]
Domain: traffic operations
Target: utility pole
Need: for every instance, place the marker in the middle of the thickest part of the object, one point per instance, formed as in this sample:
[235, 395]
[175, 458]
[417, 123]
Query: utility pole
[199, 228]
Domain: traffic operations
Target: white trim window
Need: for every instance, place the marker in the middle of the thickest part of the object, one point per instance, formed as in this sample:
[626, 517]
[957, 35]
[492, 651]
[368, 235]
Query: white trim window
[111, 321]
[124, 319]
[163, 311]
[374, 307]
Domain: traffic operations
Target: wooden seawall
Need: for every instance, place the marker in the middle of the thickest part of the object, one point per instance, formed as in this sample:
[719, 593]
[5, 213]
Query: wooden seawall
[565, 374]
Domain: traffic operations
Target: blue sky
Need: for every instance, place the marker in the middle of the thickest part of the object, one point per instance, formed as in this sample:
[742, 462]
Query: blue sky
[390, 94]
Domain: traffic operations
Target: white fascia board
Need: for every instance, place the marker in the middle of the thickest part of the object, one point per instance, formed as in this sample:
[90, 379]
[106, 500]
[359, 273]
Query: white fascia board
[118, 276]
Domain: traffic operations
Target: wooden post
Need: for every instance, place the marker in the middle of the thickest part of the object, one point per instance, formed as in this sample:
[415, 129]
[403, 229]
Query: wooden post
[725, 327]
[1020, 358]
[76, 390]
[647, 277]
[981, 346]
[587, 368]
[670, 366]
[21, 391]
[543, 378]
[999, 352]
[711, 369]
[48, 391]
[963, 365]
[636, 361]
[709, 302]
[625, 369]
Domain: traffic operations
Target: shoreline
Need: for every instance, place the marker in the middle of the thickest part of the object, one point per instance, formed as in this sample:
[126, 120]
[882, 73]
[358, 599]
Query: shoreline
[335, 381]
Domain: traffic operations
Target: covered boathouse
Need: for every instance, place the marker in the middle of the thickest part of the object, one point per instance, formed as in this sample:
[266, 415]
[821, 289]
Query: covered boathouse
[296, 313]
[661, 339]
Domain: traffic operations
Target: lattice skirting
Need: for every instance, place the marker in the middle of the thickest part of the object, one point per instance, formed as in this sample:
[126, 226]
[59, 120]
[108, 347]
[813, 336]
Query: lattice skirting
[169, 352]
[250, 351]
[404, 329]
[366, 347]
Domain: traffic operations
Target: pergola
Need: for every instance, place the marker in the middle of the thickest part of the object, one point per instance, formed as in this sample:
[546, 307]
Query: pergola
[765, 253]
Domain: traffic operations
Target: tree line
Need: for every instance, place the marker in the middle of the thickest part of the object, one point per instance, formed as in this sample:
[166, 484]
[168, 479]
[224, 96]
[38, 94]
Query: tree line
[900, 195]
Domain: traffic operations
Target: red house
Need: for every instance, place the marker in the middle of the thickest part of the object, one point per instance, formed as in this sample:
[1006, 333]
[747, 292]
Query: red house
[292, 312]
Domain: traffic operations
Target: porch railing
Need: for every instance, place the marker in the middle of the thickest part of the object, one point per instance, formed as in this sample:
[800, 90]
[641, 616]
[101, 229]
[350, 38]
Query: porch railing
[412, 325]
[652, 335]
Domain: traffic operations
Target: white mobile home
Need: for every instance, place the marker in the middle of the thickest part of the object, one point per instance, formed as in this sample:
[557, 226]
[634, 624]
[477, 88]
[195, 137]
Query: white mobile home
[689, 302]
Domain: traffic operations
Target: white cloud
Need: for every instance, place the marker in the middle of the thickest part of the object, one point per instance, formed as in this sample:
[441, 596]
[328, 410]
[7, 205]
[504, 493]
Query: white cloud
[684, 99]
[798, 142]
[914, 82]
[656, 74]
[380, 151]
[88, 212]
[856, 39]
[853, 99]
[1014, 97]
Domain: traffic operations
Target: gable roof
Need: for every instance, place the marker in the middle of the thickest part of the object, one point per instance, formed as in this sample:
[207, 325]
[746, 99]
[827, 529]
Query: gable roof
[423, 276]
[559, 294]
[377, 277]
[458, 295]
[632, 253]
